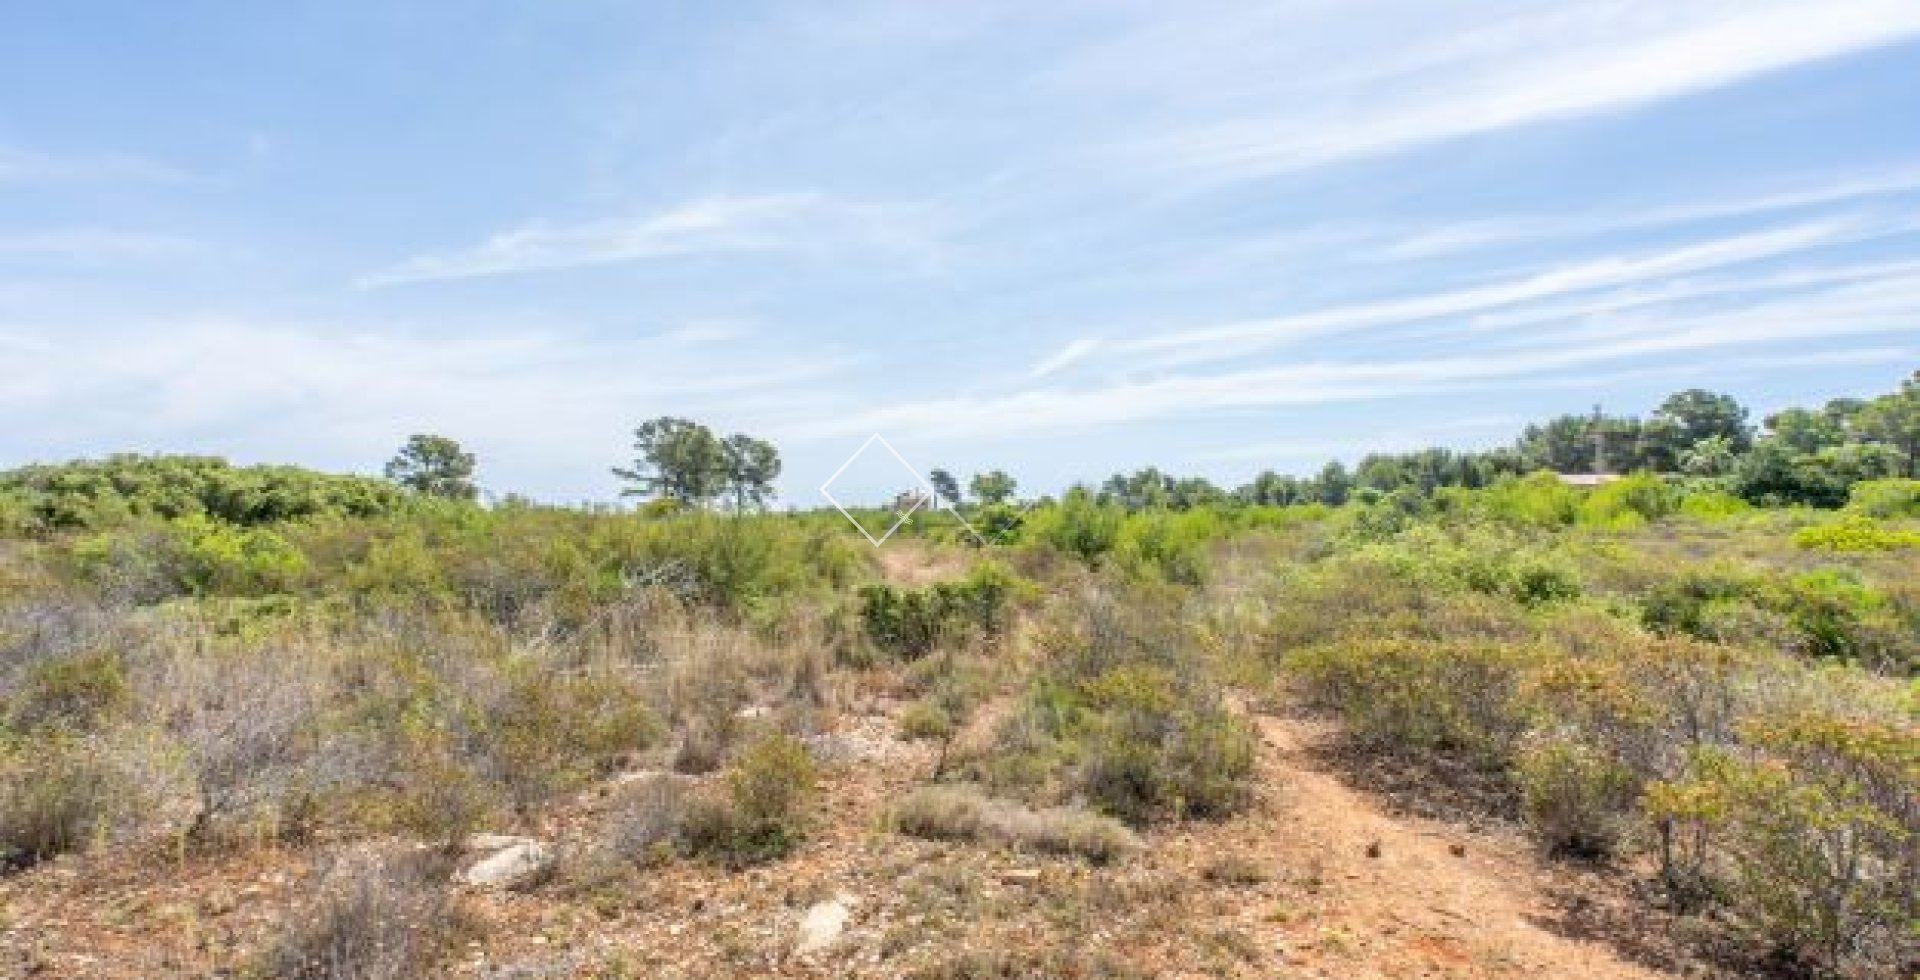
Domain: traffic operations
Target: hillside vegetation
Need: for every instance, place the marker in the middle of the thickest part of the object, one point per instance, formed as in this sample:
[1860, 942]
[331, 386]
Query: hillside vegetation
[270, 722]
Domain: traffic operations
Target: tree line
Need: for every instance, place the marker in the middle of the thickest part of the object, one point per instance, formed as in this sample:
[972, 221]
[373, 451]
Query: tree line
[1798, 455]
[1795, 456]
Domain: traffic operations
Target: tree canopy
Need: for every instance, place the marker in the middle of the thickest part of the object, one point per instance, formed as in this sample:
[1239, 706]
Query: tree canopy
[992, 486]
[435, 466]
[683, 460]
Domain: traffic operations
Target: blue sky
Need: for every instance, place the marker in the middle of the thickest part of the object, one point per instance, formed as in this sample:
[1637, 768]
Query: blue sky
[1063, 239]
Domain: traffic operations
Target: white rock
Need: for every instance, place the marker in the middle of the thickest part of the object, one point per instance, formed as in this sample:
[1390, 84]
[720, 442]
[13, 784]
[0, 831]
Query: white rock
[493, 842]
[824, 922]
[510, 867]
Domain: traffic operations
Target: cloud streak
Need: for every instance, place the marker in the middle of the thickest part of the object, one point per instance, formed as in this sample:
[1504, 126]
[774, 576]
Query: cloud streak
[785, 223]
[1518, 72]
[1854, 309]
[1237, 339]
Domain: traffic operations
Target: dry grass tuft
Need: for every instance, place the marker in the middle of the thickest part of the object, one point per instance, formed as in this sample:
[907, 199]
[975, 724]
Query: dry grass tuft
[965, 814]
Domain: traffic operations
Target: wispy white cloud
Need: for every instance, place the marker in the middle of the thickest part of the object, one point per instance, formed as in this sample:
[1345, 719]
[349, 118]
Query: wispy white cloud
[1506, 230]
[791, 223]
[1501, 71]
[1394, 440]
[1059, 360]
[1886, 306]
[1237, 339]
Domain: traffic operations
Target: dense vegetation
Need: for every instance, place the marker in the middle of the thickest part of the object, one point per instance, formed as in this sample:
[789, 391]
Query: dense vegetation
[1673, 672]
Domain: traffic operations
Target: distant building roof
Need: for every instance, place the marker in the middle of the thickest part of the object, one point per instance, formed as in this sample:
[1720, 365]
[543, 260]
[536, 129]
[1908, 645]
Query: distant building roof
[1587, 479]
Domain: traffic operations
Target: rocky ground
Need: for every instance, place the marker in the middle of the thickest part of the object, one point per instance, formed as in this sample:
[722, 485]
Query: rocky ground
[1318, 879]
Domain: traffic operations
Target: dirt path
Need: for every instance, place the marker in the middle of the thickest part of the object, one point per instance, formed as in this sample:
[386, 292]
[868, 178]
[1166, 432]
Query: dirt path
[1436, 901]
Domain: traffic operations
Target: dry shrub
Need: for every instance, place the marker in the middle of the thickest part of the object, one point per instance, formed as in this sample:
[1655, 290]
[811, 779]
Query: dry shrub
[57, 796]
[647, 819]
[1029, 964]
[244, 722]
[368, 916]
[965, 814]
[1125, 714]
[759, 812]
[925, 719]
[1236, 869]
[547, 731]
[1578, 800]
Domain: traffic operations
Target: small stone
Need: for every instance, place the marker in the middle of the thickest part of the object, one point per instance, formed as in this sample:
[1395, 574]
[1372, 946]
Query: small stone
[511, 867]
[824, 922]
[1373, 849]
[1458, 850]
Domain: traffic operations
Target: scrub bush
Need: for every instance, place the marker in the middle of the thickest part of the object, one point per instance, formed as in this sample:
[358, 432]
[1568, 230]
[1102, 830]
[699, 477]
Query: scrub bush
[57, 794]
[1855, 534]
[1421, 694]
[759, 813]
[911, 623]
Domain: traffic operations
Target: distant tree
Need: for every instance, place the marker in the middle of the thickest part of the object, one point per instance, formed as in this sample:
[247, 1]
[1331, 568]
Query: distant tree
[946, 486]
[1142, 489]
[752, 466]
[1697, 414]
[1196, 491]
[1270, 488]
[1712, 456]
[434, 466]
[993, 486]
[1895, 420]
[1563, 444]
[1333, 485]
[1805, 430]
[677, 459]
[1773, 474]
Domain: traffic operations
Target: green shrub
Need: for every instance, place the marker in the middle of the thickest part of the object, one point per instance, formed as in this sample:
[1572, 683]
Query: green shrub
[1148, 749]
[1811, 859]
[911, 623]
[1713, 505]
[66, 692]
[761, 814]
[1080, 525]
[1539, 499]
[1579, 799]
[224, 559]
[1839, 617]
[1167, 544]
[1855, 533]
[1422, 694]
[926, 720]
[1679, 604]
[1885, 499]
[1125, 716]
[1628, 502]
[1542, 582]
